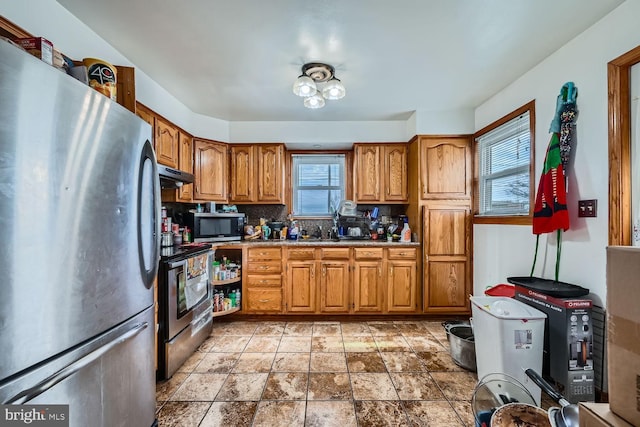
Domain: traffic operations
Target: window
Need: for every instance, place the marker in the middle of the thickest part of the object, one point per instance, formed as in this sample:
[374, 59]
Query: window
[318, 183]
[504, 167]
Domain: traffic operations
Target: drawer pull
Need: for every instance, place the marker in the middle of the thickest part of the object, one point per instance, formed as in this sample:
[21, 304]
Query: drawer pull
[264, 300]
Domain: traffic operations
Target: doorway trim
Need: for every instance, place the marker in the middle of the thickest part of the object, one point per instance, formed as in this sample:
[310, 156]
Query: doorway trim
[619, 78]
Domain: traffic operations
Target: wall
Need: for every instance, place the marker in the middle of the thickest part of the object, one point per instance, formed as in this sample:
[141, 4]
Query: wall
[501, 251]
[635, 153]
[332, 135]
[76, 40]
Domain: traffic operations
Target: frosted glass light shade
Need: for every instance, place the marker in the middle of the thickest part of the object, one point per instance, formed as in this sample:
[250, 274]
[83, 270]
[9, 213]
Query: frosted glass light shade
[334, 89]
[304, 86]
[314, 101]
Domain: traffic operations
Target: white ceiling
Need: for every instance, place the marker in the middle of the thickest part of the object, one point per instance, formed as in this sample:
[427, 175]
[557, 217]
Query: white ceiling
[237, 60]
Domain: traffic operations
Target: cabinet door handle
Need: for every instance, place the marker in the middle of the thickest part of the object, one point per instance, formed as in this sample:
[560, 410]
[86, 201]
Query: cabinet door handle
[379, 272]
[313, 272]
[324, 271]
[391, 272]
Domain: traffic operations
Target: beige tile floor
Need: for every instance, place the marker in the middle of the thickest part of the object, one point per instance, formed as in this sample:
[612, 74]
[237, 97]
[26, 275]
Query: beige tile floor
[382, 373]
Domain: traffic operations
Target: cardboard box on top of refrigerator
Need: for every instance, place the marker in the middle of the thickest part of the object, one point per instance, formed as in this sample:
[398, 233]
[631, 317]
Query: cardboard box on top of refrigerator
[623, 327]
[599, 415]
[39, 47]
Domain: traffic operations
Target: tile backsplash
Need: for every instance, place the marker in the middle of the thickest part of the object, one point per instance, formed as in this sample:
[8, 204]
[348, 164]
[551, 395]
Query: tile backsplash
[279, 213]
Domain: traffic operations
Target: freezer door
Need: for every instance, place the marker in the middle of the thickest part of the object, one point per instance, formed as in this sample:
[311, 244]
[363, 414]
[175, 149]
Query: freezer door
[78, 208]
[109, 382]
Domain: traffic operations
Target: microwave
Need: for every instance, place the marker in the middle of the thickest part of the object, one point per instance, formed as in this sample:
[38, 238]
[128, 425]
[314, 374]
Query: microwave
[216, 226]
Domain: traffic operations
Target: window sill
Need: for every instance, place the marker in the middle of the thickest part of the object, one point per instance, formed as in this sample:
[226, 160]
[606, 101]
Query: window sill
[504, 220]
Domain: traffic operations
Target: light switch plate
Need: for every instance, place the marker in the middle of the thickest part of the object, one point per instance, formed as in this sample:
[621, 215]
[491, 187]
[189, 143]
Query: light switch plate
[588, 208]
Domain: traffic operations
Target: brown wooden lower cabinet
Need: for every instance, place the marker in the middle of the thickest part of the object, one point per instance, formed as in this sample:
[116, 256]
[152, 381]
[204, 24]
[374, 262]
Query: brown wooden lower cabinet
[330, 280]
[368, 287]
[263, 300]
[335, 282]
[447, 258]
[401, 286]
[262, 285]
[301, 287]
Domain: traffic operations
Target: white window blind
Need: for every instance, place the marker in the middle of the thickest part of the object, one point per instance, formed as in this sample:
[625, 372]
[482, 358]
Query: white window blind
[504, 162]
[318, 183]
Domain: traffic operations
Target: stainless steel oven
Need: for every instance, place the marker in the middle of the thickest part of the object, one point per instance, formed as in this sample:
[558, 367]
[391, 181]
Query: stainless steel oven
[185, 310]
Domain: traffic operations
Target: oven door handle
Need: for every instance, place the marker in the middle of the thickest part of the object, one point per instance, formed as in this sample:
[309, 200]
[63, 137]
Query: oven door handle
[177, 264]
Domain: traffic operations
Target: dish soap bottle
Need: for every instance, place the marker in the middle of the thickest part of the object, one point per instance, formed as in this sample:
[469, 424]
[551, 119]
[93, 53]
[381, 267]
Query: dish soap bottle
[405, 234]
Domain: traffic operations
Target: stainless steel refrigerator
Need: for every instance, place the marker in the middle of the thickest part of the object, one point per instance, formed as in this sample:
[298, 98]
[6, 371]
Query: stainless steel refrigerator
[79, 248]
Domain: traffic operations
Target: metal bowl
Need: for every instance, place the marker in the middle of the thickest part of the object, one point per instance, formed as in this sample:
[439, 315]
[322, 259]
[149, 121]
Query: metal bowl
[462, 345]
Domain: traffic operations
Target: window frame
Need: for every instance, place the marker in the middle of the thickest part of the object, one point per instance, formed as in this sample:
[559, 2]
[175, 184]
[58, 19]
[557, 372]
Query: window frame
[505, 219]
[348, 178]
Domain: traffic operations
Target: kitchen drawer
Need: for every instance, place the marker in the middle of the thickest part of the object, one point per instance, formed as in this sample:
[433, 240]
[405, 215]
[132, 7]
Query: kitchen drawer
[259, 254]
[335, 253]
[265, 267]
[402, 253]
[301, 253]
[264, 280]
[259, 299]
[370, 253]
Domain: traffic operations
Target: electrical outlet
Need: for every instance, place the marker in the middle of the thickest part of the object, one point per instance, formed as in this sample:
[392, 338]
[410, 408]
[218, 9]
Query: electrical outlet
[588, 208]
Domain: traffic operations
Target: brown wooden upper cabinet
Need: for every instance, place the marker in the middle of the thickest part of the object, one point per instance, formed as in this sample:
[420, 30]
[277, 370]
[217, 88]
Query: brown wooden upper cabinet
[445, 167]
[185, 163]
[210, 170]
[380, 173]
[147, 115]
[166, 143]
[257, 173]
[173, 147]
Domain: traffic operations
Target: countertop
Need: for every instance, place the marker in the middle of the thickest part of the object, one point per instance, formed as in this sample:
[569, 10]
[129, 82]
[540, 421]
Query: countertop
[320, 242]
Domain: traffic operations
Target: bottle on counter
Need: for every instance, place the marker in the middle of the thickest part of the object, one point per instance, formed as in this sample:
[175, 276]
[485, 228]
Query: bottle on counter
[216, 270]
[221, 301]
[293, 231]
[405, 234]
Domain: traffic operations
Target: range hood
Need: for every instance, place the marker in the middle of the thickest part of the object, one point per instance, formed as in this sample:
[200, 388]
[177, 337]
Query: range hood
[173, 178]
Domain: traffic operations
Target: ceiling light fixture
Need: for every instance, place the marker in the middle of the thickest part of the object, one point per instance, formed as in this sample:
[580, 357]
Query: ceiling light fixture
[306, 85]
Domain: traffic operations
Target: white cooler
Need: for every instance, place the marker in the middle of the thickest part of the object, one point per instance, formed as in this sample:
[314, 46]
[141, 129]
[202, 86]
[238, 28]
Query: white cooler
[509, 338]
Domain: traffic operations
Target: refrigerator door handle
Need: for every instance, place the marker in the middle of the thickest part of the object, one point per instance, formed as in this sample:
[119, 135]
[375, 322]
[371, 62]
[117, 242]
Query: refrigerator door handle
[31, 393]
[148, 206]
